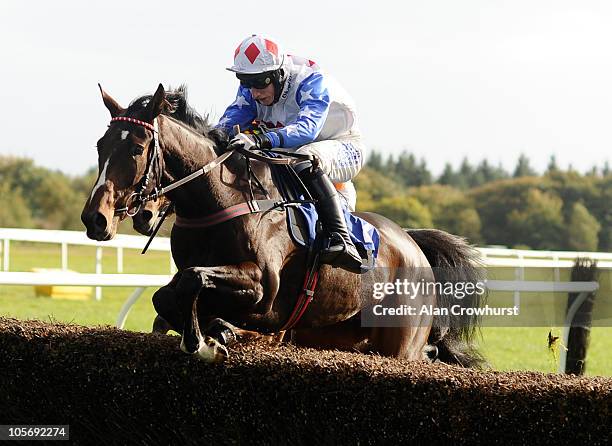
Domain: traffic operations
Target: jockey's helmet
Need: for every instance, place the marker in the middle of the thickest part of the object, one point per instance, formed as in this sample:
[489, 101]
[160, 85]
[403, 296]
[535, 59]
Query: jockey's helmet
[258, 63]
[256, 55]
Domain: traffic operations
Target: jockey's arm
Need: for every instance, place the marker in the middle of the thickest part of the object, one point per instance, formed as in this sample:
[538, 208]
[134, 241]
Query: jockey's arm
[241, 112]
[313, 100]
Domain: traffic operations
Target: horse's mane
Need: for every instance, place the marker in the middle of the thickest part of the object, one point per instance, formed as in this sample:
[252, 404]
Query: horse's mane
[178, 108]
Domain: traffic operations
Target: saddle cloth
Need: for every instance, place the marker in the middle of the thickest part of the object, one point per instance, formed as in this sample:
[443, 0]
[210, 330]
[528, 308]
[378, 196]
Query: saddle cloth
[302, 218]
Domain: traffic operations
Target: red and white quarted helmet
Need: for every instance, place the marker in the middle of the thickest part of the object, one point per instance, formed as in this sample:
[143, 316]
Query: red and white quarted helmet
[255, 55]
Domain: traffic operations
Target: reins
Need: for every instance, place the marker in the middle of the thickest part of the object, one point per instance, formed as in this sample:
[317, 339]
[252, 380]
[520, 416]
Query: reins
[135, 201]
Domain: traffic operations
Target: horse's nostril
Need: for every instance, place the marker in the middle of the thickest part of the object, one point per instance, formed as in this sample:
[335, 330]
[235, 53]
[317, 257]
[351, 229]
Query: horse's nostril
[147, 215]
[99, 221]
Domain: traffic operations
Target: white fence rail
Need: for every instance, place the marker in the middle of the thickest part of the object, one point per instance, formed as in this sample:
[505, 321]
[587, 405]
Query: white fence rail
[521, 259]
[502, 257]
[140, 281]
[78, 238]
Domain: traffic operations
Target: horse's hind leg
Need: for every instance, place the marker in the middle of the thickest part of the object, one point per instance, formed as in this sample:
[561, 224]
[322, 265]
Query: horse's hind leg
[346, 335]
[408, 338]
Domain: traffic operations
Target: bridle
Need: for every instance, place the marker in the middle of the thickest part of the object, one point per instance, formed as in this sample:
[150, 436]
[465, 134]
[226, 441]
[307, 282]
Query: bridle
[137, 199]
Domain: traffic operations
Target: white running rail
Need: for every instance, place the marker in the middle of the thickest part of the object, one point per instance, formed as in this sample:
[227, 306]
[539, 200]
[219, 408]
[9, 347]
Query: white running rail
[60, 278]
[78, 238]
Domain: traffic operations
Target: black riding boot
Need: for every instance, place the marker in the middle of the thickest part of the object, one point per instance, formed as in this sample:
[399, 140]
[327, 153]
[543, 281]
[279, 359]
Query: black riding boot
[341, 252]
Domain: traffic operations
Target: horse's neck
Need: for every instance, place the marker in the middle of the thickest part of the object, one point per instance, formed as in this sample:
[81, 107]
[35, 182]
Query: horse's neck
[185, 152]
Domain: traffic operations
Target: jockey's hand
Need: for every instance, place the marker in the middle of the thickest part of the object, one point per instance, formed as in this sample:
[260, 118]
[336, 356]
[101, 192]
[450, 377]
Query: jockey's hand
[251, 141]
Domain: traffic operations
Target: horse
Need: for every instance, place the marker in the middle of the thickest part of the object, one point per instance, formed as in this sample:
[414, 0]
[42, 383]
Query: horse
[246, 272]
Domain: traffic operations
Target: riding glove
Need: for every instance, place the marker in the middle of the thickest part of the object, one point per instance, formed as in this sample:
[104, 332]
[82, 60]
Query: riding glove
[251, 141]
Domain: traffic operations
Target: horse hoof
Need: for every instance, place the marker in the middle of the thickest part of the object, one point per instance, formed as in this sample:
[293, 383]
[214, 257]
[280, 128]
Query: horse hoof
[161, 326]
[221, 331]
[190, 343]
[430, 353]
[184, 348]
[212, 351]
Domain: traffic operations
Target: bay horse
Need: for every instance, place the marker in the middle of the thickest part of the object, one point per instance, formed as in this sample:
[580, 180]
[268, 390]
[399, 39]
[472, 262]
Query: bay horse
[247, 272]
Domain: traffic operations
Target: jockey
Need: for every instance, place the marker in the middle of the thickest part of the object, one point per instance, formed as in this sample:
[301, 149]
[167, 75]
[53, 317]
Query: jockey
[301, 108]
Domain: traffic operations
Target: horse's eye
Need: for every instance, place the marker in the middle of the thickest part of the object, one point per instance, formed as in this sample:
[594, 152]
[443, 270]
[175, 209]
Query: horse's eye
[137, 150]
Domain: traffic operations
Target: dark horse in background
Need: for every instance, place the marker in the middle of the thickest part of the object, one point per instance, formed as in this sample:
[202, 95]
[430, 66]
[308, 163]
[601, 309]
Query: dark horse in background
[248, 271]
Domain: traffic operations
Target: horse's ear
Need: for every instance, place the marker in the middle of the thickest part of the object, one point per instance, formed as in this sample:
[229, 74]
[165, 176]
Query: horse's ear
[113, 107]
[156, 104]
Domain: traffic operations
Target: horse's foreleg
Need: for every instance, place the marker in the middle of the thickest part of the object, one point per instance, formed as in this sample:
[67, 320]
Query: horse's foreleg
[161, 325]
[238, 286]
[166, 306]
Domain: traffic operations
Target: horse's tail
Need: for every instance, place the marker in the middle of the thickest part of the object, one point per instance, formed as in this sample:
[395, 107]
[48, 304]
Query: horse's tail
[453, 260]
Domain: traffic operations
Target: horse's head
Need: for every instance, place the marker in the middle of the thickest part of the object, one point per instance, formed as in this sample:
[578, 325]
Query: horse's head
[126, 156]
[146, 218]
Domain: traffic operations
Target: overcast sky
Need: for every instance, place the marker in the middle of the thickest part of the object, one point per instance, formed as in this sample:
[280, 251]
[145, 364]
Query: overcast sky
[444, 79]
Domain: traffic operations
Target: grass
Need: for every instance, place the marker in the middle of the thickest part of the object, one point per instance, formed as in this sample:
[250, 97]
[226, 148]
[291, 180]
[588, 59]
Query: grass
[526, 348]
[21, 301]
[506, 348]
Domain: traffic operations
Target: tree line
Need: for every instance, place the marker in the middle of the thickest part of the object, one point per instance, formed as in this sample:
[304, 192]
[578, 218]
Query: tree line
[35, 197]
[558, 209]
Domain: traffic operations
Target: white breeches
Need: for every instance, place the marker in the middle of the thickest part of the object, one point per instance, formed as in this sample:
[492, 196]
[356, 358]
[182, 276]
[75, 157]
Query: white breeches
[341, 160]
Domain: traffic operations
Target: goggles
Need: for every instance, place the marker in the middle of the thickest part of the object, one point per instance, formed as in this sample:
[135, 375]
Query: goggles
[257, 81]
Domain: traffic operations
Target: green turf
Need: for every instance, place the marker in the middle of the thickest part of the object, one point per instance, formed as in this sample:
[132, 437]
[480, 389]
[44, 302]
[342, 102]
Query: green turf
[526, 348]
[506, 348]
[21, 301]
